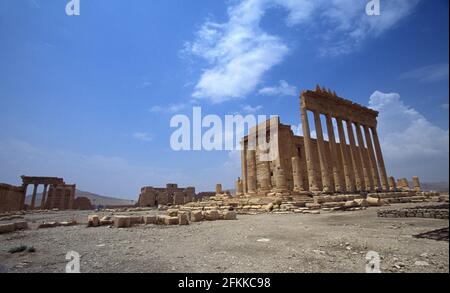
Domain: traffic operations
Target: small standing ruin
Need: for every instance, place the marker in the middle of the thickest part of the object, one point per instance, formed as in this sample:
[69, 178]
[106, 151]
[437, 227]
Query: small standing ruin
[56, 194]
[171, 195]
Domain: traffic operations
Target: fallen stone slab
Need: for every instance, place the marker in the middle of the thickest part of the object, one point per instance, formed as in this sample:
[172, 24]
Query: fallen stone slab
[150, 220]
[136, 220]
[172, 213]
[93, 221]
[7, 228]
[313, 206]
[171, 221]
[106, 221]
[212, 215]
[122, 221]
[183, 218]
[196, 216]
[229, 215]
[69, 223]
[22, 225]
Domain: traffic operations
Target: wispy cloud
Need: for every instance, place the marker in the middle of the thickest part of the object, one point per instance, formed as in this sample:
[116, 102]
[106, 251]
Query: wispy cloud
[282, 89]
[239, 52]
[171, 108]
[143, 136]
[430, 73]
[252, 109]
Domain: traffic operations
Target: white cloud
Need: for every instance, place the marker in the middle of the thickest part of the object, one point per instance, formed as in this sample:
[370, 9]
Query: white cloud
[171, 108]
[143, 136]
[412, 145]
[282, 89]
[431, 73]
[251, 109]
[239, 52]
[444, 106]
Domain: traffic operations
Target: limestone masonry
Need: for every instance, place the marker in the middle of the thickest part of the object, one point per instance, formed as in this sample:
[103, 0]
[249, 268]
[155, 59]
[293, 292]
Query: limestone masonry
[350, 160]
[171, 195]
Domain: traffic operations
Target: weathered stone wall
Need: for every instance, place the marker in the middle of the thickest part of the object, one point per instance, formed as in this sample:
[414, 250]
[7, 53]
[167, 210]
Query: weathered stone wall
[434, 212]
[171, 195]
[61, 197]
[82, 204]
[11, 198]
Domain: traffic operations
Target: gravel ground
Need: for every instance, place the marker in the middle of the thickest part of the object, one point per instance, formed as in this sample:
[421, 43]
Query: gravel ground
[268, 243]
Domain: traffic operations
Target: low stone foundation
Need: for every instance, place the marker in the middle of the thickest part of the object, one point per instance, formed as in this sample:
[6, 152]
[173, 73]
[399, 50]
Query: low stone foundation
[432, 212]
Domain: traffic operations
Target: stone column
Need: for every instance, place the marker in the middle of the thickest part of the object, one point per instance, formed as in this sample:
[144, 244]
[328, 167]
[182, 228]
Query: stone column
[360, 184]
[359, 177]
[244, 166]
[365, 161]
[381, 165]
[44, 197]
[72, 197]
[251, 172]
[33, 198]
[346, 158]
[62, 203]
[392, 184]
[308, 150]
[416, 184]
[280, 180]
[263, 172]
[239, 187]
[373, 159]
[297, 174]
[328, 185]
[338, 172]
[403, 184]
[53, 201]
[219, 189]
[24, 196]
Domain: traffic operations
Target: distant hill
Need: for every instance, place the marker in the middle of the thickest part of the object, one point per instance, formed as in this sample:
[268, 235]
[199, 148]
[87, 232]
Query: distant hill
[95, 199]
[436, 186]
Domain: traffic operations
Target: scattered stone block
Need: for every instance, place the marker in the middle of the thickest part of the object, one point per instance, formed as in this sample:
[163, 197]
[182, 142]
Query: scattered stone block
[21, 225]
[161, 220]
[172, 213]
[313, 206]
[7, 228]
[171, 220]
[212, 215]
[183, 218]
[105, 221]
[68, 224]
[229, 215]
[136, 220]
[93, 221]
[122, 221]
[48, 225]
[150, 220]
[196, 216]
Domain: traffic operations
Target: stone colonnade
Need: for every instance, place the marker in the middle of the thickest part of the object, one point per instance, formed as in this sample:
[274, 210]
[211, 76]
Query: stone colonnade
[353, 164]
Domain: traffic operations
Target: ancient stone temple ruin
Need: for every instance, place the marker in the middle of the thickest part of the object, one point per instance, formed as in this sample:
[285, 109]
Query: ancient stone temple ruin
[56, 194]
[171, 195]
[348, 159]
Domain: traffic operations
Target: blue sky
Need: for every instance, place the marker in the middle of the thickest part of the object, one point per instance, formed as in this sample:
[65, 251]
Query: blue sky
[90, 97]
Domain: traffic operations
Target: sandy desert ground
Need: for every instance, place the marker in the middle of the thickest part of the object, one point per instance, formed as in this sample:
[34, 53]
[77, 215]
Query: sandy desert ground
[266, 243]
